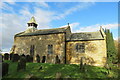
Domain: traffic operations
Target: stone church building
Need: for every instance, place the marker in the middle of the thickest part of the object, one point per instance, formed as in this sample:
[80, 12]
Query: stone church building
[68, 47]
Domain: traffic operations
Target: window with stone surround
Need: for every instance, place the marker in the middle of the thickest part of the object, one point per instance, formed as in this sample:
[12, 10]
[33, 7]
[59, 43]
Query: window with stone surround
[80, 47]
[50, 49]
[32, 47]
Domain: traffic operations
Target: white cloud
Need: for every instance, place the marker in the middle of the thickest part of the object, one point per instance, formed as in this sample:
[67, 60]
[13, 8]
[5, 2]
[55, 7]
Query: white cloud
[61, 0]
[77, 28]
[73, 26]
[10, 26]
[73, 9]
[96, 27]
[42, 17]
[42, 4]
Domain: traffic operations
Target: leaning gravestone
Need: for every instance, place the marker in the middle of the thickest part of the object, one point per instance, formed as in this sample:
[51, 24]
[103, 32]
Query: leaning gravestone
[5, 68]
[6, 56]
[21, 64]
[15, 58]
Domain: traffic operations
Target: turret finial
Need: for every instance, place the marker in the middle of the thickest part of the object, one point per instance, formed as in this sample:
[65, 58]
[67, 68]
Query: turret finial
[68, 24]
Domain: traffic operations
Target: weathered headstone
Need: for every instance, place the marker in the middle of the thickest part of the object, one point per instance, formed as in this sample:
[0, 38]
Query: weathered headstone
[21, 64]
[57, 60]
[38, 58]
[31, 58]
[22, 55]
[28, 58]
[43, 59]
[82, 65]
[15, 58]
[6, 56]
[58, 76]
[5, 68]
[11, 56]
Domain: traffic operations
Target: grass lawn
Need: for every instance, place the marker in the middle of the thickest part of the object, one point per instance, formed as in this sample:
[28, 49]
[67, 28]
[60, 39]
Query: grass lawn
[67, 70]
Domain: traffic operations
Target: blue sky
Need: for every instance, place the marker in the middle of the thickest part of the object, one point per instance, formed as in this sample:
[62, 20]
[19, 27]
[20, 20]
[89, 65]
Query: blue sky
[81, 16]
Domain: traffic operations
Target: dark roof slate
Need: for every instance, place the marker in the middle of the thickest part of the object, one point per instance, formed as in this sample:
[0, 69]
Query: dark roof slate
[85, 36]
[72, 37]
[44, 31]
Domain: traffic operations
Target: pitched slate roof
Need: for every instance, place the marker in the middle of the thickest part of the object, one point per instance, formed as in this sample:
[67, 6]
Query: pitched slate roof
[44, 31]
[85, 36]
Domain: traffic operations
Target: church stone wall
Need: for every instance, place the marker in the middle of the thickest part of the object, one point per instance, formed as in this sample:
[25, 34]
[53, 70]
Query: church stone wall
[95, 53]
[22, 46]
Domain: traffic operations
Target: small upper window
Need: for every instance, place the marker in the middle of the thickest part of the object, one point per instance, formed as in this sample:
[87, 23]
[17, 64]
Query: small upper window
[80, 47]
[32, 47]
[50, 49]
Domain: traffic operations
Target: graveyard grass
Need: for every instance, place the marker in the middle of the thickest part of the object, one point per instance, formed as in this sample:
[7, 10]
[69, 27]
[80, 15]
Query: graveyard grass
[49, 71]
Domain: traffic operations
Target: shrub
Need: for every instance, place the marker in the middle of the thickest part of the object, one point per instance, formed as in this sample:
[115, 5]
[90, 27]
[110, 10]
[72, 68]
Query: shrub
[5, 68]
[21, 64]
[6, 56]
[38, 58]
[15, 58]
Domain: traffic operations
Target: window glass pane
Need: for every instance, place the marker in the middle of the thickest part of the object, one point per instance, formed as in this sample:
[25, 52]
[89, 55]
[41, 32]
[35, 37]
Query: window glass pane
[80, 47]
[50, 49]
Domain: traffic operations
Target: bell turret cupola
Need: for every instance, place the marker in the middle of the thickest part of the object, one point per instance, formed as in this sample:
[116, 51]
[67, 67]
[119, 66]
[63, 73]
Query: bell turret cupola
[32, 22]
[32, 25]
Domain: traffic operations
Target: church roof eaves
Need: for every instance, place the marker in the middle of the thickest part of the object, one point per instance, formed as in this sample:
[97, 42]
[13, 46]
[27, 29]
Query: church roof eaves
[85, 36]
[43, 32]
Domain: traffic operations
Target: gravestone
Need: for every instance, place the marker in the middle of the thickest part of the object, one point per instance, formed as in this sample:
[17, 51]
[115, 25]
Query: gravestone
[6, 56]
[21, 64]
[82, 65]
[38, 58]
[5, 68]
[11, 56]
[43, 59]
[28, 58]
[31, 58]
[58, 76]
[22, 55]
[15, 58]
[57, 60]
